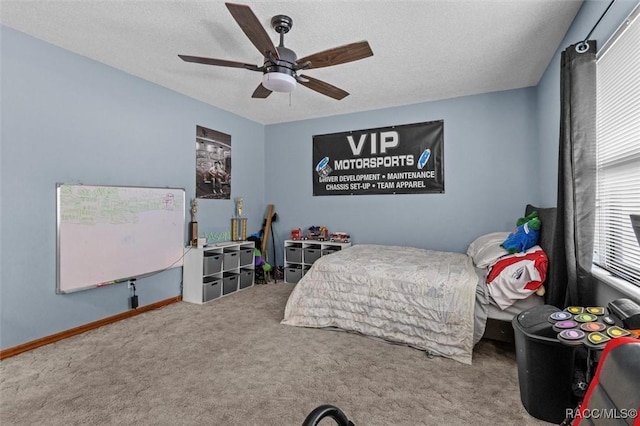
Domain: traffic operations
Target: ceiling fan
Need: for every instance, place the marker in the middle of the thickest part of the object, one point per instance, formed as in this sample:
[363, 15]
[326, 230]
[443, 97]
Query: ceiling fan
[281, 65]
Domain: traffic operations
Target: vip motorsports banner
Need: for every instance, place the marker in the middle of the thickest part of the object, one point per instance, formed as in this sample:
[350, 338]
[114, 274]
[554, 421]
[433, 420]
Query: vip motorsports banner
[407, 159]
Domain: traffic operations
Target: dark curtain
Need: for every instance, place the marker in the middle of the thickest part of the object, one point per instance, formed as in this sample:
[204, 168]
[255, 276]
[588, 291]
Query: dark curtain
[577, 173]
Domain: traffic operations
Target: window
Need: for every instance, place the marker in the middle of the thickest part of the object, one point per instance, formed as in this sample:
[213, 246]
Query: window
[618, 151]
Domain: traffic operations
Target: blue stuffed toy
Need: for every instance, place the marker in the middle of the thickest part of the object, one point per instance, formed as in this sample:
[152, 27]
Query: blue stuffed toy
[525, 235]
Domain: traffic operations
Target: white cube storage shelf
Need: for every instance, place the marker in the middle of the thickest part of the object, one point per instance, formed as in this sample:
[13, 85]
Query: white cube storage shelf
[218, 270]
[299, 255]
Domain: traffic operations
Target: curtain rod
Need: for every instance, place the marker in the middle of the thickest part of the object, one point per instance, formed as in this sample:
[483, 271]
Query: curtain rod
[583, 46]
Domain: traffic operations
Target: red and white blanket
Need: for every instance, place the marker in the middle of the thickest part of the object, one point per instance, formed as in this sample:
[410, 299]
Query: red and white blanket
[516, 276]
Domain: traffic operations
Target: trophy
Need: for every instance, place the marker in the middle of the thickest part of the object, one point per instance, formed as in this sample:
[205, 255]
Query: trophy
[193, 228]
[238, 223]
[239, 207]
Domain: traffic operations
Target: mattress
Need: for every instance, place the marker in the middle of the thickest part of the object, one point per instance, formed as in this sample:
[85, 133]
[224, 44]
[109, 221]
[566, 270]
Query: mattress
[485, 307]
[418, 297]
[521, 305]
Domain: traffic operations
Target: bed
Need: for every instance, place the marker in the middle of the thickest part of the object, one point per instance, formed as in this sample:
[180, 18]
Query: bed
[435, 301]
[498, 325]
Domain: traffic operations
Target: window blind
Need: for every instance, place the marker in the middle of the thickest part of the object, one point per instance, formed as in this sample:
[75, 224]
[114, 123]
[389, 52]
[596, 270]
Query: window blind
[618, 152]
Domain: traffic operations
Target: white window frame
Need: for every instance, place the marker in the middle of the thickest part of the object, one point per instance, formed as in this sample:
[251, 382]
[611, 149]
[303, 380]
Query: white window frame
[616, 249]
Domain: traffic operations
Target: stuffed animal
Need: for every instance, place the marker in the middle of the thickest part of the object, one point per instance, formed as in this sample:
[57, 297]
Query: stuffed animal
[525, 235]
[259, 260]
[532, 216]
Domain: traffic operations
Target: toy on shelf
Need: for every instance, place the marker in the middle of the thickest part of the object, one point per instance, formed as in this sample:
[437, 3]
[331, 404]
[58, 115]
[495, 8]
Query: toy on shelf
[318, 233]
[296, 234]
[340, 237]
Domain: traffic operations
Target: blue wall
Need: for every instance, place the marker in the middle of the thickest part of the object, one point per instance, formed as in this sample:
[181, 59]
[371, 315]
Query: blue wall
[548, 89]
[65, 118]
[491, 172]
[69, 119]
[548, 113]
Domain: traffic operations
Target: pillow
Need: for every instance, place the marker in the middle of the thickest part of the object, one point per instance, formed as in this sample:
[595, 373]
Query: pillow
[486, 249]
[517, 276]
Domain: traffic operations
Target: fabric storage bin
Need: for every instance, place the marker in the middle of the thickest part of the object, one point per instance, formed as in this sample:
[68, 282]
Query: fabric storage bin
[211, 263]
[246, 278]
[246, 256]
[211, 288]
[311, 254]
[293, 254]
[229, 282]
[230, 260]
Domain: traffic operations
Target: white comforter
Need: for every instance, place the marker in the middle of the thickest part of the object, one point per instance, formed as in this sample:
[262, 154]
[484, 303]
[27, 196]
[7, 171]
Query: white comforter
[418, 297]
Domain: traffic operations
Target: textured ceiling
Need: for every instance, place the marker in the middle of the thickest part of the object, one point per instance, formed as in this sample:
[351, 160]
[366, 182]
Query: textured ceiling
[423, 50]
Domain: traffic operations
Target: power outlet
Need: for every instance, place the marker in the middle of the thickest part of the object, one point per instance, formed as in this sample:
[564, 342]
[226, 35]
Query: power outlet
[129, 285]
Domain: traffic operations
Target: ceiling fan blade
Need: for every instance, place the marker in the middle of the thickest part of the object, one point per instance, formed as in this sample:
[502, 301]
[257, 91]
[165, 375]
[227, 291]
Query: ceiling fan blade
[261, 92]
[339, 55]
[220, 62]
[253, 29]
[323, 88]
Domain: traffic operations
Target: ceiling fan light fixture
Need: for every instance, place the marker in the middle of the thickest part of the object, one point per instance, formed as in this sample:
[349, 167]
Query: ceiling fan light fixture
[278, 82]
[281, 64]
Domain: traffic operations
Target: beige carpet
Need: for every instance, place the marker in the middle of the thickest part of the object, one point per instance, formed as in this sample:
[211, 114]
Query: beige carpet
[230, 362]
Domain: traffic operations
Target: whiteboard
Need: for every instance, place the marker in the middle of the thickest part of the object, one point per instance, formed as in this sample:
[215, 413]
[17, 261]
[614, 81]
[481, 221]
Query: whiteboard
[108, 234]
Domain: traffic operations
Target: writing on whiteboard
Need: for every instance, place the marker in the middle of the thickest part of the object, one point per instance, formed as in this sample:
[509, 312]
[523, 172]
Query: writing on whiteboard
[109, 205]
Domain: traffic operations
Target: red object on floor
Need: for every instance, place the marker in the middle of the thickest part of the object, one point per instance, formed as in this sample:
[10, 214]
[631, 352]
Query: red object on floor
[614, 391]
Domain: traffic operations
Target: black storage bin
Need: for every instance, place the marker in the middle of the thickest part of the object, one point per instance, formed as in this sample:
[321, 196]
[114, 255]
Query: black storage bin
[230, 260]
[330, 250]
[212, 263]
[211, 288]
[293, 254]
[545, 365]
[246, 256]
[292, 274]
[311, 254]
[246, 278]
[229, 282]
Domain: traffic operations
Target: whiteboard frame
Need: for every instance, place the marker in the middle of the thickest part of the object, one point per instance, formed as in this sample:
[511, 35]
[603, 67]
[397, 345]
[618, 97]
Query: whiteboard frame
[177, 263]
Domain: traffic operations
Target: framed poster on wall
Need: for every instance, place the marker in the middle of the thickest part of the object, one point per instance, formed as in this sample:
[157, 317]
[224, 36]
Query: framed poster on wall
[406, 159]
[213, 164]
